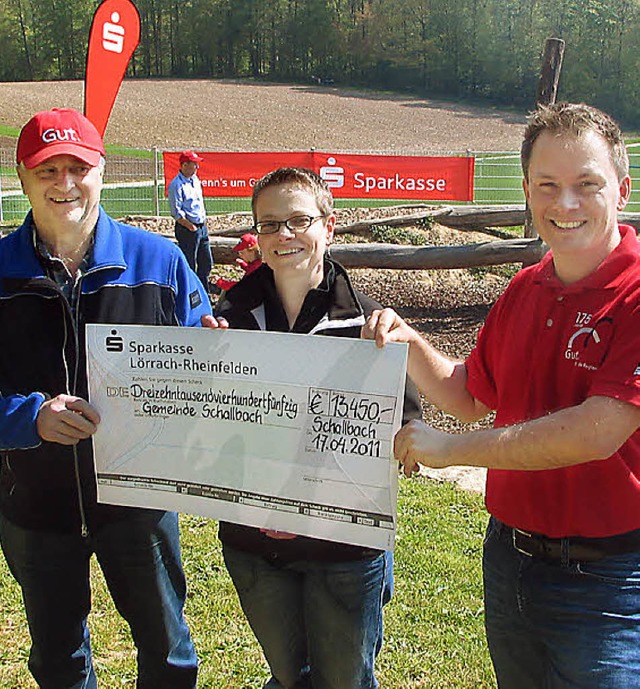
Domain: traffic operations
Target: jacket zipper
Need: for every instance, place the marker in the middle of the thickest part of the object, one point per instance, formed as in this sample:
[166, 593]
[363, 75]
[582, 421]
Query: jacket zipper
[84, 529]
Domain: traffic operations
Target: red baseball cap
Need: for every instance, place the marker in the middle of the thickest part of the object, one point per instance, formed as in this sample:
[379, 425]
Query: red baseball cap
[190, 157]
[59, 132]
[247, 241]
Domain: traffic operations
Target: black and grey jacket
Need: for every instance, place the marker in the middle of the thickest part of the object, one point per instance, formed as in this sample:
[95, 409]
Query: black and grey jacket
[133, 277]
[334, 308]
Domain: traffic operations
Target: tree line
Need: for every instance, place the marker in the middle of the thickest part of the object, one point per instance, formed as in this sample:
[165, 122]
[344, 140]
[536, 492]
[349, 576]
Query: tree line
[471, 49]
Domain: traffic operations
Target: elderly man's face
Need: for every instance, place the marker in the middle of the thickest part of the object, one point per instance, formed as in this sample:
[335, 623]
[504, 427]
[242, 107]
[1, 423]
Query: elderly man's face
[63, 191]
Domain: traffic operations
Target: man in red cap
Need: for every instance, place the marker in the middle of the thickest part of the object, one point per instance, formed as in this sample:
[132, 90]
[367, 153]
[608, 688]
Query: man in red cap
[70, 264]
[187, 208]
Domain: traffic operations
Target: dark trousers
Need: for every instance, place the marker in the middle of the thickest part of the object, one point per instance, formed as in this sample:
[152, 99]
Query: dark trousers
[197, 249]
[140, 560]
[560, 626]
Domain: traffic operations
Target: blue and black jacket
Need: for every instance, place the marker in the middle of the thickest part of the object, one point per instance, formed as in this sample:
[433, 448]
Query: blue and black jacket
[134, 277]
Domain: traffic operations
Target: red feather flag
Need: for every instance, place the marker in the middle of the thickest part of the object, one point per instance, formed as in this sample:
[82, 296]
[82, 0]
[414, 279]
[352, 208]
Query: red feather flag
[115, 34]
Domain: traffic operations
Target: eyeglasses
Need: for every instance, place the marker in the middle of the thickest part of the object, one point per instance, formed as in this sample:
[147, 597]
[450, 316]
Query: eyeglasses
[299, 223]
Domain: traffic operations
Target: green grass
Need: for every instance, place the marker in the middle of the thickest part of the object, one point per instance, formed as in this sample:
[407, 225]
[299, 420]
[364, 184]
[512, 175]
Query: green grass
[434, 633]
[9, 131]
[126, 152]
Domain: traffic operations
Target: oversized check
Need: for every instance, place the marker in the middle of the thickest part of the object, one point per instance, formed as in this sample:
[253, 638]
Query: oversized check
[274, 430]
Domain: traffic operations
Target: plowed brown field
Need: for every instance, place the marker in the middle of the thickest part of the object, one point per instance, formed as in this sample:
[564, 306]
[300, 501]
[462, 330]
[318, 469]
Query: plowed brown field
[243, 115]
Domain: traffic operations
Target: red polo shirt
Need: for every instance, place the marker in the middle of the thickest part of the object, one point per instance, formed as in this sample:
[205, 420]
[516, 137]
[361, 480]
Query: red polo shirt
[547, 346]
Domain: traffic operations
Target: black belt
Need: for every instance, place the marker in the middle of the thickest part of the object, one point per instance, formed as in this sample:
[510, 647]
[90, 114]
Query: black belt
[574, 548]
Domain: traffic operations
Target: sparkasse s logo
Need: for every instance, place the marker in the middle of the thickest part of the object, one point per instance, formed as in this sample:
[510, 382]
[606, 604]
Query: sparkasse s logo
[114, 343]
[113, 34]
[332, 174]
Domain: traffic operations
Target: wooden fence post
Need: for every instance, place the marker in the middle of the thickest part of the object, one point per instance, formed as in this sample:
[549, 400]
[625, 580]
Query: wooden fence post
[547, 93]
[550, 73]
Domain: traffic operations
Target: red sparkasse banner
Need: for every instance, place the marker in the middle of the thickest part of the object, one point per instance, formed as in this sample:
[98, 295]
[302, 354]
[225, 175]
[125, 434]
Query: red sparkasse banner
[115, 34]
[349, 176]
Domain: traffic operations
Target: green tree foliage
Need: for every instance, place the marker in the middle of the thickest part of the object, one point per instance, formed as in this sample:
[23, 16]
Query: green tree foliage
[478, 49]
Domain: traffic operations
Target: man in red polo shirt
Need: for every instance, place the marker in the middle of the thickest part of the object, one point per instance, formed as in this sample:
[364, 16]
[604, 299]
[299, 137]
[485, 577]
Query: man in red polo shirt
[558, 359]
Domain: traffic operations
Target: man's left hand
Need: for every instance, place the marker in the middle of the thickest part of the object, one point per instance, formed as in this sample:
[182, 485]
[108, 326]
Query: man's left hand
[417, 443]
[67, 420]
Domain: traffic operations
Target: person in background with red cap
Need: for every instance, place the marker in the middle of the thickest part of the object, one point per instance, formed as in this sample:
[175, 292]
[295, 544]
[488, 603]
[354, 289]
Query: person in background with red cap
[249, 259]
[187, 208]
[67, 265]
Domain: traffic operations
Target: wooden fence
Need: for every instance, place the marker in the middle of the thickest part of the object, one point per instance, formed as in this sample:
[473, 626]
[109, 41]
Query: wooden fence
[398, 256]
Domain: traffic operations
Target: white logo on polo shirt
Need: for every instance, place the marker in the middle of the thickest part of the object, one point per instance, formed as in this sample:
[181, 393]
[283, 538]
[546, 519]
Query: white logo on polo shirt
[584, 331]
[578, 347]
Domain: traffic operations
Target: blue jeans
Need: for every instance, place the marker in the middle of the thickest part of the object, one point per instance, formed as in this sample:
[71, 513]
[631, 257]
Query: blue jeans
[197, 250]
[140, 559]
[551, 626]
[319, 623]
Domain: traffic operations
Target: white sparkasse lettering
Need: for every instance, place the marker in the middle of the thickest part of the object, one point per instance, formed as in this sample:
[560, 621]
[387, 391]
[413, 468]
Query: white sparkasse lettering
[397, 182]
[50, 135]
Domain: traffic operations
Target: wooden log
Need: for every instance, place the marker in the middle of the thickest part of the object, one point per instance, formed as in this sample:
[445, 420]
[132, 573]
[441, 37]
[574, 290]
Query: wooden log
[438, 257]
[364, 226]
[464, 218]
[478, 218]
[629, 219]
[397, 256]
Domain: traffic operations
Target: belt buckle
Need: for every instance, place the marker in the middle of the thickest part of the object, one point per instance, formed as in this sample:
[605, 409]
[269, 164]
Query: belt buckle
[515, 532]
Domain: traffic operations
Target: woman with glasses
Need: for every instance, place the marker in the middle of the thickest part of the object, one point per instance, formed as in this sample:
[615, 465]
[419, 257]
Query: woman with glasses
[314, 605]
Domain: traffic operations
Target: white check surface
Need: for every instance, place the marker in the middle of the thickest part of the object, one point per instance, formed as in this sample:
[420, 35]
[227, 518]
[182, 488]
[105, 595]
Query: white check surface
[274, 430]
